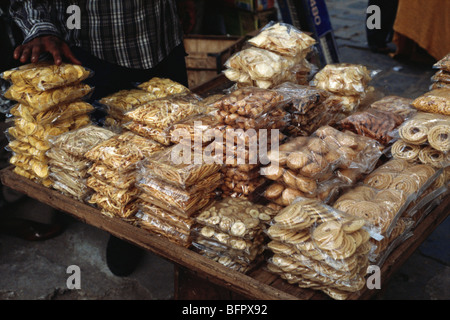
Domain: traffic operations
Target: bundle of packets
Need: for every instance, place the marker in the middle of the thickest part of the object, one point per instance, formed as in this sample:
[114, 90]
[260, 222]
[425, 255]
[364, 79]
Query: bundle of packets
[348, 84]
[309, 108]
[253, 119]
[178, 179]
[50, 103]
[67, 164]
[319, 166]
[118, 103]
[231, 232]
[441, 79]
[424, 138]
[389, 196]
[113, 172]
[276, 55]
[315, 246]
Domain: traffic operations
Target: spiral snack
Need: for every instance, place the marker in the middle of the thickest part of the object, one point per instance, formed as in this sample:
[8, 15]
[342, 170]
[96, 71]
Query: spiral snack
[433, 157]
[405, 151]
[439, 137]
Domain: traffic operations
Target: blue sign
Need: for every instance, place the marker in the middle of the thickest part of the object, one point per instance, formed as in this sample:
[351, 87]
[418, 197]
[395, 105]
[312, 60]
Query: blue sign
[319, 17]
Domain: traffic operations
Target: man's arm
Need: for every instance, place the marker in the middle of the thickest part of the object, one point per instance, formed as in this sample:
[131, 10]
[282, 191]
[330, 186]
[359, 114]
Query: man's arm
[40, 33]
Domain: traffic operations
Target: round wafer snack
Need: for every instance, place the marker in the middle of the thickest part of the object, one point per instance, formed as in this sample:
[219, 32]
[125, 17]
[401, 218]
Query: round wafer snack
[414, 131]
[439, 137]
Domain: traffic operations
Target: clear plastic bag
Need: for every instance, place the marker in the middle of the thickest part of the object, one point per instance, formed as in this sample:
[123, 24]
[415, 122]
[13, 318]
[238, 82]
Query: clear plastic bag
[197, 129]
[283, 39]
[396, 104]
[44, 100]
[343, 79]
[164, 112]
[126, 100]
[112, 209]
[443, 64]
[372, 123]
[434, 101]
[45, 75]
[302, 98]
[163, 87]
[82, 140]
[118, 196]
[180, 166]
[124, 180]
[123, 152]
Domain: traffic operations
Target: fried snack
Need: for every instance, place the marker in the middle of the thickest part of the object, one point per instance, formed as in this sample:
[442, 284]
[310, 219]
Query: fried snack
[398, 105]
[372, 123]
[44, 100]
[433, 157]
[236, 217]
[302, 98]
[69, 185]
[343, 79]
[121, 197]
[283, 39]
[163, 87]
[80, 141]
[123, 152]
[126, 100]
[124, 180]
[112, 209]
[196, 129]
[434, 101]
[443, 64]
[274, 119]
[61, 159]
[318, 247]
[439, 137]
[174, 199]
[406, 151]
[180, 166]
[161, 136]
[43, 76]
[441, 76]
[164, 112]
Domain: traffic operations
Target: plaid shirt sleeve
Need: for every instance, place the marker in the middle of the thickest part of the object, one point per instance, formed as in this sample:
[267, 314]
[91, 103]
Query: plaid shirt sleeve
[33, 18]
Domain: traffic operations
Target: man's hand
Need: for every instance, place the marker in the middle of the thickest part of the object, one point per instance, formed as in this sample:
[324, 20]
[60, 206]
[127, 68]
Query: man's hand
[55, 46]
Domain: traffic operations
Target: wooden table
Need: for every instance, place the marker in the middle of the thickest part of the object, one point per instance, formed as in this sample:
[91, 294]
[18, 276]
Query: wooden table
[198, 277]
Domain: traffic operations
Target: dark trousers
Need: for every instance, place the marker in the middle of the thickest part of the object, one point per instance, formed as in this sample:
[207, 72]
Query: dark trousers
[379, 38]
[109, 78]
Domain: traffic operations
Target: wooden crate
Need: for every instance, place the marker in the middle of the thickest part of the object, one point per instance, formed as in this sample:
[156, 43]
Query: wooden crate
[207, 55]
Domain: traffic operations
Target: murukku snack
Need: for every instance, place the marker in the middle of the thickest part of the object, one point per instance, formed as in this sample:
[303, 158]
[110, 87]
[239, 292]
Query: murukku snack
[406, 151]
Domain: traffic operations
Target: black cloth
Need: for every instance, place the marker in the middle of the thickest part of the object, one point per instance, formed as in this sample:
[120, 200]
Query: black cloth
[379, 38]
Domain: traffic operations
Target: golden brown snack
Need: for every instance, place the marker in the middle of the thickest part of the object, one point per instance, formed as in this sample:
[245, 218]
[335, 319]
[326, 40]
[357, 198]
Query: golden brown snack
[163, 87]
[434, 101]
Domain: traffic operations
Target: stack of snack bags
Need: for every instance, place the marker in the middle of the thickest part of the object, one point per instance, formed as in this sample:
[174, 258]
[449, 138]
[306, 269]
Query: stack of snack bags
[441, 79]
[179, 182]
[276, 55]
[309, 108]
[319, 166]
[315, 246]
[384, 198]
[113, 173]
[349, 83]
[231, 232]
[253, 119]
[49, 104]
[67, 163]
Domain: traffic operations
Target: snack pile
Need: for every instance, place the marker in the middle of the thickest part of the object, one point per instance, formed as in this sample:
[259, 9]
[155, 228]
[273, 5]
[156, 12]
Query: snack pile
[441, 79]
[48, 104]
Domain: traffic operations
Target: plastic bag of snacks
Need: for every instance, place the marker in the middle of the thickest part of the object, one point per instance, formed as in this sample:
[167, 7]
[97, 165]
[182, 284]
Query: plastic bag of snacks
[44, 100]
[343, 79]
[443, 64]
[398, 105]
[163, 87]
[318, 247]
[434, 101]
[45, 75]
[283, 39]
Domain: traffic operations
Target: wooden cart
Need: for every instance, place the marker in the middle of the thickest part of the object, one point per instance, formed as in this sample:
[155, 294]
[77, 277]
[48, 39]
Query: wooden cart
[198, 277]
